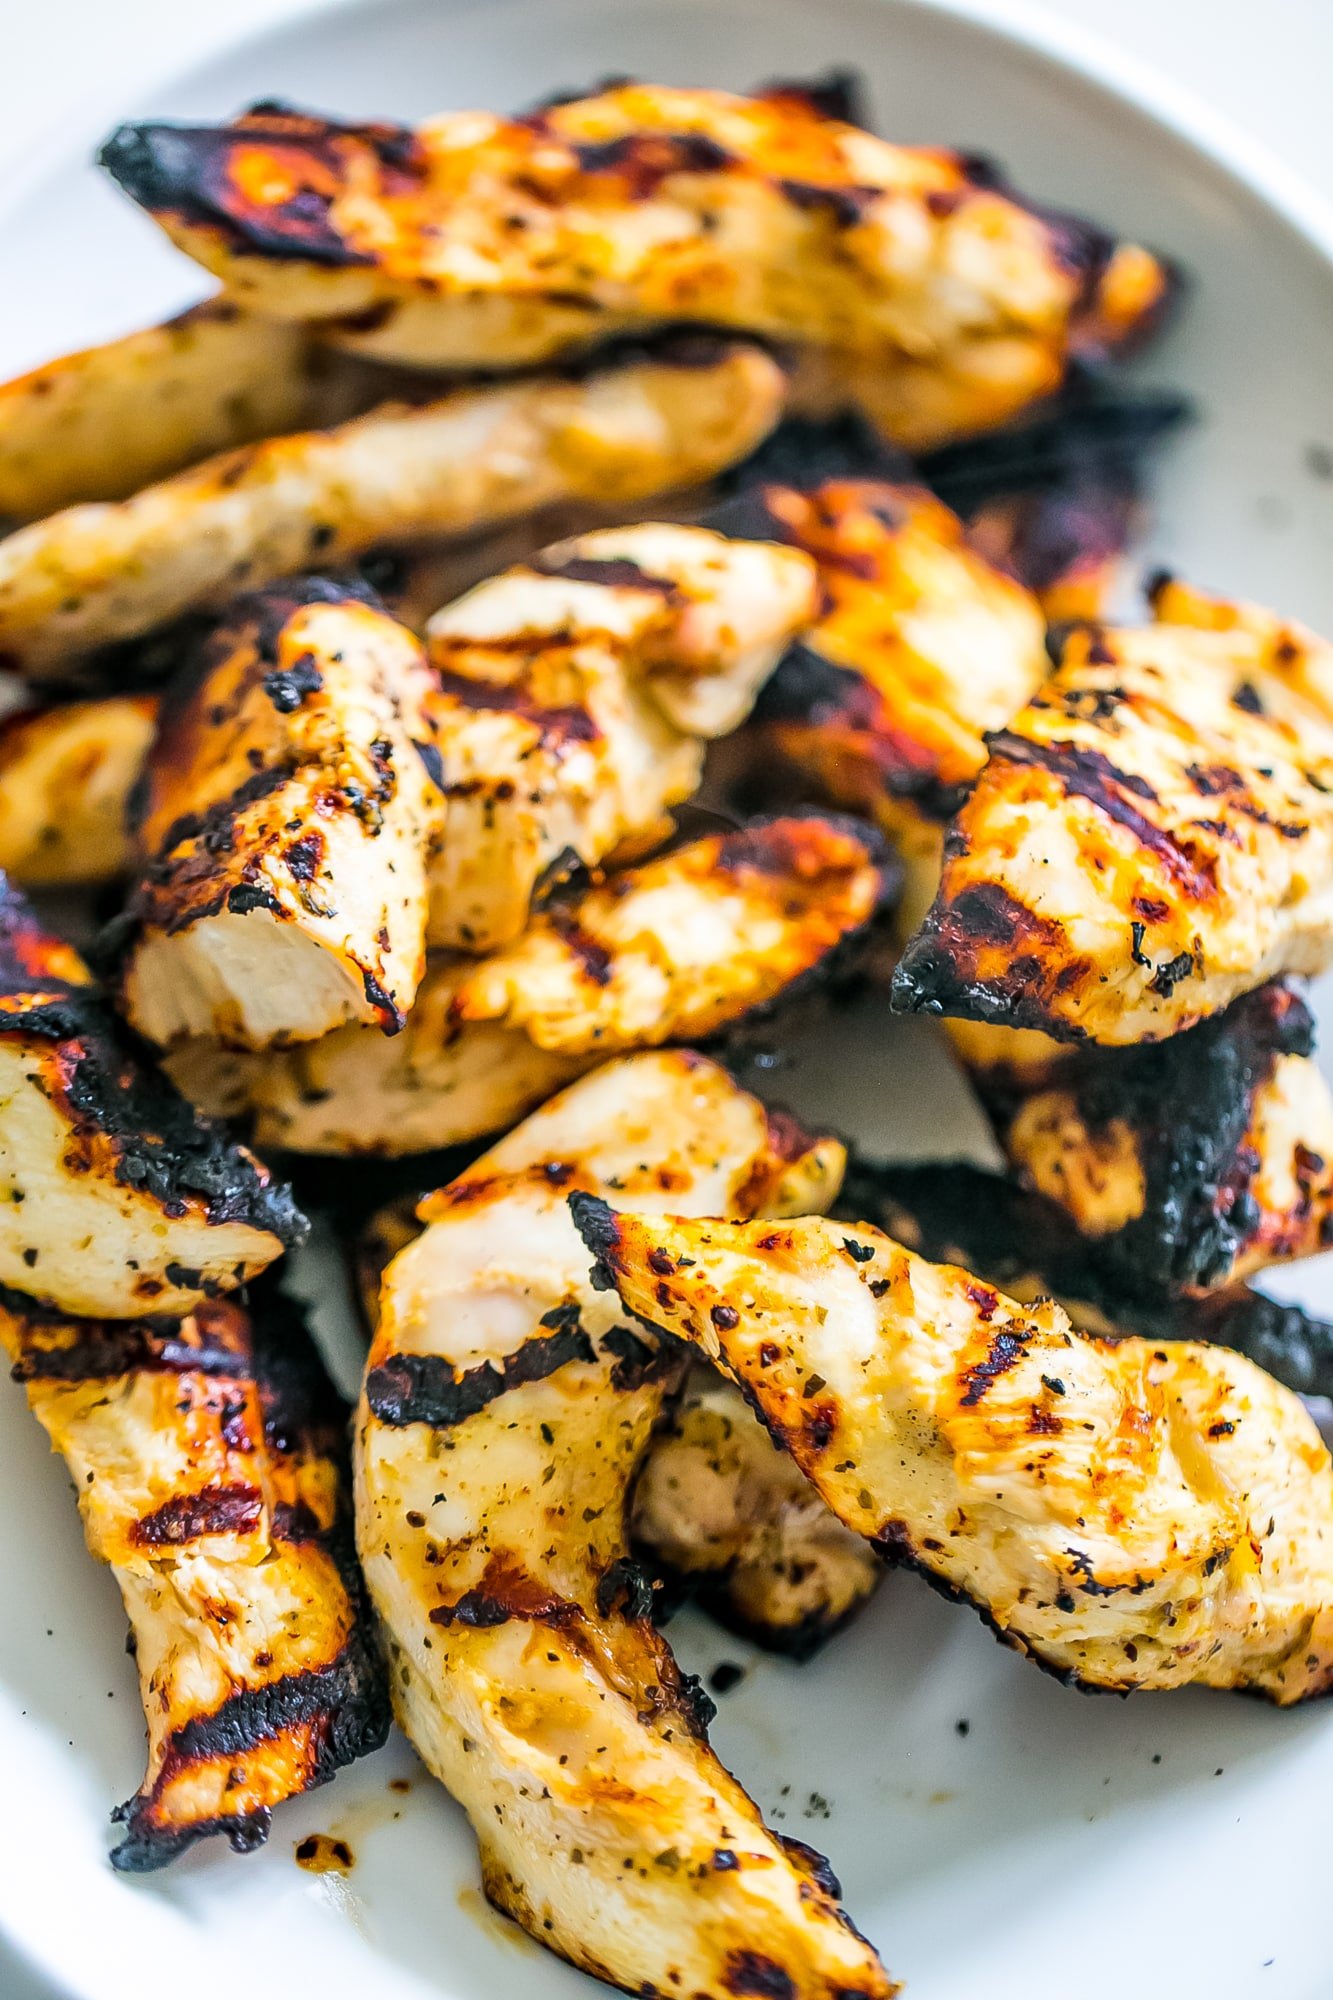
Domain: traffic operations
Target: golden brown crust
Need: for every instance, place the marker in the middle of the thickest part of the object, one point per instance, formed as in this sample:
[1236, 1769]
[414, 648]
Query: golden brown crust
[118, 1199]
[476, 238]
[1152, 837]
[525, 1664]
[922, 646]
[286, 814]
[1130, 1514]
[208, 1458]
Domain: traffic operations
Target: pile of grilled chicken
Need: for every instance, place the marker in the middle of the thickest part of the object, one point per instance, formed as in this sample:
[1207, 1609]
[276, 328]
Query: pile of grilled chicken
[368, 633]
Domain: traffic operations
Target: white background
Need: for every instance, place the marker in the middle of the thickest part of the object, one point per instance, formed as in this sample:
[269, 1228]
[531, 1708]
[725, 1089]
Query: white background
[1266, 65]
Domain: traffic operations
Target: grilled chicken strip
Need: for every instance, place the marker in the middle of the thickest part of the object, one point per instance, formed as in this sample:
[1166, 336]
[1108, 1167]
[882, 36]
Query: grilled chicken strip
[687, 946]
[716, 1505]
[504, 1413]
[117, 1198]
[574, 694]
[1152, 837]
[66, 776]
[923, 646]
[1189, 1163]
[722, 1509]
[99, 424]
[209, 1459]
[286, 817]
[956, 1213]
[101, 573]
[481, 241]
[1131, 1514]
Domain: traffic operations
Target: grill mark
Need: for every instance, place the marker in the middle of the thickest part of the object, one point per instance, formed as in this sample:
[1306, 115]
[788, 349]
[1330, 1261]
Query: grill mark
[217, 1510]
[423, 1388]
[104, 1349]
[1007, 1348]
[344, 1705]
[1090, 775]
[506, 1591]
[614, 572]
[571, 724]
[644, 160]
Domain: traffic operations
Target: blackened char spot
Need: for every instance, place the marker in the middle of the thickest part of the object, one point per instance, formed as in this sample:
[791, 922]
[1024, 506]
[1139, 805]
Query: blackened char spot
[612, 572]
[571, 724]
[507, 1591]
[424, 1388]
[347, 1703]
[624, 1587]
[844, 205]
[637, 1360]
[1007, 1347]
[599, 1226]
[216, 1510]
[836, 93]
[754, 1974]
[645, 159]
[287, 687]
[189, 171]
[213, 1341]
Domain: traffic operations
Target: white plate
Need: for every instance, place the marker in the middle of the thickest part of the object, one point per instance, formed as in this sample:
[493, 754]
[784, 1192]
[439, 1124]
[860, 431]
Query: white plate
[1172, 1845]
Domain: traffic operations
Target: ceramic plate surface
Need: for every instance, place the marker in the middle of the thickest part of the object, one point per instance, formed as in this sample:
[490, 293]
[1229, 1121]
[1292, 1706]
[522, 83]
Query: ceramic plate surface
[996, 1834]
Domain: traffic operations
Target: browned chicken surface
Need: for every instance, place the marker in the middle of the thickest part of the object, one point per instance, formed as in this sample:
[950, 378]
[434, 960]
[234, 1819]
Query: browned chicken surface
[115, 1197]
[209, 1458]
[504, 1413]
[575, 694]
[712, 935]
[1152, 836]
[481, 240]
[285, 820]
[1131, 1514]
[479, 456]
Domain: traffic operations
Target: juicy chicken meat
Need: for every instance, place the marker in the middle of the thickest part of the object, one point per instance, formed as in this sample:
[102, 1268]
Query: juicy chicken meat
[1189, 1163]
[717, 1507]
[1152, 837]
[574, 694]
[477, 240]
[96, 574]
[504, 1413]
[66, 777]
[956, 1213]
[725, 1511]
[208, 1456]
[1131, 1514]
[286, 818]
[691, 945]
[115, 1197]
[99, 424]
[922, 647]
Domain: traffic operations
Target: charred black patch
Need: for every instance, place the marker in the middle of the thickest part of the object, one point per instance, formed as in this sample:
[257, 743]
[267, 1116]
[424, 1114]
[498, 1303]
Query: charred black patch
[507, 1592]
[1189, 1102]
[216, 1510]
[593, 958]
[1007, 1348]
[425, 1389]
[197, 173]
[304, 857]
[625, 1587]
[844, 206]
[599, 1226]
[637, 1361]
[244, 897]
[612, 572]
[643, 160]
[206, 1343]
[938, 972]
[287, 687]
[836, 93]
[347, 1703]
[752, 1973]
